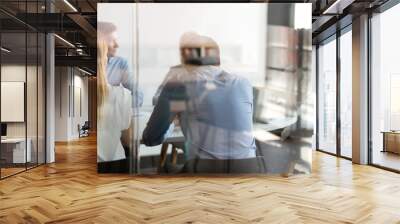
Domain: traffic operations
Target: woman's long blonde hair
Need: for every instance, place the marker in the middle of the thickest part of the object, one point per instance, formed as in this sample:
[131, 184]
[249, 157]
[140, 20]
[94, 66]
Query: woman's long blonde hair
[102, 90]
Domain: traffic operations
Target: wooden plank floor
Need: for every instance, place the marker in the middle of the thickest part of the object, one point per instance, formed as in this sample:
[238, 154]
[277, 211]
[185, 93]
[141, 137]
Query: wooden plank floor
[70, 191]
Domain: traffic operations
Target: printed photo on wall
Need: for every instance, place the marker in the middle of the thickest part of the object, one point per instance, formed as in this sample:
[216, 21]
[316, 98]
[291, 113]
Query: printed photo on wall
[204, 88]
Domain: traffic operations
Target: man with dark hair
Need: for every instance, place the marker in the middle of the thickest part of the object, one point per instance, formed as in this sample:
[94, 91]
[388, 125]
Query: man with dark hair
[214, 109]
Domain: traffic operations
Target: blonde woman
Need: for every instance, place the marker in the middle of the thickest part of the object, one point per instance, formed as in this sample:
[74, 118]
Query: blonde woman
[114, 116]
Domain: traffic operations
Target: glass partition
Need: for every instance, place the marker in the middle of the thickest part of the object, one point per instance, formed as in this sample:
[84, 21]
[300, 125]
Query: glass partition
[211, 121]
[385, 88]
[327, 96]
[227, 94]
[41, 97]
[22, 90]
[346, 94]
[15, 150]
[32, 98]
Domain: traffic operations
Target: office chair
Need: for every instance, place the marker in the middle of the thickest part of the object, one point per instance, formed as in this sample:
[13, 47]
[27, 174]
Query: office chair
[84, 130]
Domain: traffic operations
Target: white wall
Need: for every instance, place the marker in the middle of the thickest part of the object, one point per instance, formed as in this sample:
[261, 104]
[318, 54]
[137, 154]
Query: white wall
[34, 125]
[69, 82]
[81, 84]
[61, 103]
[14, 73]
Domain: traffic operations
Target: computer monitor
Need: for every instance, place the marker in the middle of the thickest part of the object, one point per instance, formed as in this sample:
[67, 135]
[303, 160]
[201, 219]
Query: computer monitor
[3, 130]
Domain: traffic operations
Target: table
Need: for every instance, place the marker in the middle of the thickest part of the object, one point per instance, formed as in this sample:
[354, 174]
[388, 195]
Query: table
[13, 150]
[391, 141]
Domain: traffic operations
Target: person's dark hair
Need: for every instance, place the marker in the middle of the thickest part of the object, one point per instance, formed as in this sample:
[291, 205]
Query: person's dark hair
[105, 28]
[199, 50]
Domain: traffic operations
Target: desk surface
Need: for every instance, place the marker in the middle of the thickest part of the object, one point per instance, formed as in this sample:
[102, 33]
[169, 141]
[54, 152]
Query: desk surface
[13, 140]
[261, 131]
[390, 132]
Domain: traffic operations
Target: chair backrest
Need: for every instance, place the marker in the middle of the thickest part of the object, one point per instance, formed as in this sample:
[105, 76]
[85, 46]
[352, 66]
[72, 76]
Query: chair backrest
[86, 125]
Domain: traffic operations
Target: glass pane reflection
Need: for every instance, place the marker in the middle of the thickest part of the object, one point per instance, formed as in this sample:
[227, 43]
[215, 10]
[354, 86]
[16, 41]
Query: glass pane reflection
[15, 149]
[217, 95]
